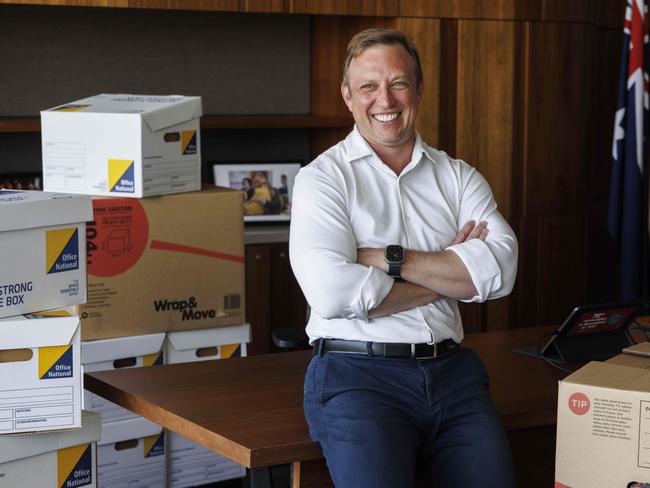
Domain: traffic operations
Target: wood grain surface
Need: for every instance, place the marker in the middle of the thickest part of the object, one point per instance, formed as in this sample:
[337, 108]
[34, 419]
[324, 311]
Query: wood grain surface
[250, 409]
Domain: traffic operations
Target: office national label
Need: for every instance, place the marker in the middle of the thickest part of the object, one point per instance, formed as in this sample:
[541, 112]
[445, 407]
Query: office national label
[74, 466]
[121, 176]
[61, 250]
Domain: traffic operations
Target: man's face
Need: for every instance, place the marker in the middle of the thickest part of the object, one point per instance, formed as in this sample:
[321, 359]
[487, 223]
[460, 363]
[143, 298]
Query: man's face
[382, 95]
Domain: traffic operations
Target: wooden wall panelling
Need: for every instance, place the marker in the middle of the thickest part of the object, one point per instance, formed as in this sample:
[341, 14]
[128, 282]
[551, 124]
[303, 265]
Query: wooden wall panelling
[600, 250]
[527, 285]
[560, 267]
[272, 6]
[75, 3]
[486, 88]
[425, 34]
[559, 106]
[471, 9]
[212, 5]
[448, 86]
[385, 8]
[571, 11]
[611, 14]
[329, 39]
[258, 294]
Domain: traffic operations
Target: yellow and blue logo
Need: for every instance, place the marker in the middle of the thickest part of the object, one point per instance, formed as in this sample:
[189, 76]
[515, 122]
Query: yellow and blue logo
[75, 466]
[55, 362]
[121, 175]
[155, 359]
[61, 250]
[71, 107]
[230, 351]
[154, 445]
[188, 141]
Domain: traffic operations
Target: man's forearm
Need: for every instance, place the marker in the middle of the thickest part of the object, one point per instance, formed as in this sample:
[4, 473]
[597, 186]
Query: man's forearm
[403, 296]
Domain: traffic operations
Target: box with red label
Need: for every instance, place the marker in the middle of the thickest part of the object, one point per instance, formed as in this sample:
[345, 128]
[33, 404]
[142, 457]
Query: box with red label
[40, 372]
[118, 353]
[603, 423]
[123, 145]
[52, 459]
[167, 263]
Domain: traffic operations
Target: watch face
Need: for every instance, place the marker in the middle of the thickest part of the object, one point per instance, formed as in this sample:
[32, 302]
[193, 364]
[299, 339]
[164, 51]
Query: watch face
[394, 254]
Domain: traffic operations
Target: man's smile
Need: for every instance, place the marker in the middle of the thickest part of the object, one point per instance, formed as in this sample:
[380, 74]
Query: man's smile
[386, 117]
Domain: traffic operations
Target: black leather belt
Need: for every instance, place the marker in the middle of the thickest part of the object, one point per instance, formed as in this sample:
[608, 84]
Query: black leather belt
[385, 349]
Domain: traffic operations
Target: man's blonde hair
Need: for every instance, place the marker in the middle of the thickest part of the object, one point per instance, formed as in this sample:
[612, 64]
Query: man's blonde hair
[379, 36]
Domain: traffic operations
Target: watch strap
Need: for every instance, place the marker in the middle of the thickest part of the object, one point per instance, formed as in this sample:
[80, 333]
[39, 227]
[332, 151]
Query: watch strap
[394, 269]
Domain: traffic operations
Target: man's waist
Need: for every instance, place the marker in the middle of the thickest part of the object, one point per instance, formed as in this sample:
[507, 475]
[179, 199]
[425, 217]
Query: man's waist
[385, 349]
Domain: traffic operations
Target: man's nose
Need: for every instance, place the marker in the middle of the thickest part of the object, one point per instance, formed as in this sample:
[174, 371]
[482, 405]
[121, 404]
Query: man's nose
[385, 96]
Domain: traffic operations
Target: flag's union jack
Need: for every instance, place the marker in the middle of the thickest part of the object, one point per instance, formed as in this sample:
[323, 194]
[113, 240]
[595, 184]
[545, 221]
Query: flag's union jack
[628, 206]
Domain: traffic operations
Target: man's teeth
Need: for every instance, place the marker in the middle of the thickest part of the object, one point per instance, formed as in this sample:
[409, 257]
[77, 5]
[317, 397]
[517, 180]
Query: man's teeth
[386, 117]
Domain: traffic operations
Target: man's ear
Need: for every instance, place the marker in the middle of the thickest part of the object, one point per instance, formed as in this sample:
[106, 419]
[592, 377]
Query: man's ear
[347, 96]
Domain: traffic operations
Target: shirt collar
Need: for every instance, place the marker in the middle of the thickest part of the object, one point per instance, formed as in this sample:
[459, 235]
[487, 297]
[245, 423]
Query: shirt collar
[358, 148]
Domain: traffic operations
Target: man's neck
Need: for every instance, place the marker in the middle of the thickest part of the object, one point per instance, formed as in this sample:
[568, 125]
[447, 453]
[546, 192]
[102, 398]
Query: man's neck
[396, 158]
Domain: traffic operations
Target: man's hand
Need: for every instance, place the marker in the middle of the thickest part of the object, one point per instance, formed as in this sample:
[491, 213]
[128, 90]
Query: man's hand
[471, 230]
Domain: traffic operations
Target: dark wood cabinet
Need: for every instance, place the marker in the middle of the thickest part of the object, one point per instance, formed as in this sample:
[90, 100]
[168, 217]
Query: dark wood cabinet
[273, 297]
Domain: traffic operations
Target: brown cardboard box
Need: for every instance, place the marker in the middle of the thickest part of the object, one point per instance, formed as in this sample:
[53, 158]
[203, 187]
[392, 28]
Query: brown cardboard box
[165, 263]
[603, 424]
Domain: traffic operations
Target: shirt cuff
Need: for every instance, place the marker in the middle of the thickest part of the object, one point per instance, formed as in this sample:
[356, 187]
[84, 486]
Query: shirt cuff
[373, 291]
[481, 265]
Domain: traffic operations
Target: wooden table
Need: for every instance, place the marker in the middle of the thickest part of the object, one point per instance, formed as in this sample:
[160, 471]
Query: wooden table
[250, 409]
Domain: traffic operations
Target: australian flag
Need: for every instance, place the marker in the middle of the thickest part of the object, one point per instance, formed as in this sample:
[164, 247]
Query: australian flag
[628, 205]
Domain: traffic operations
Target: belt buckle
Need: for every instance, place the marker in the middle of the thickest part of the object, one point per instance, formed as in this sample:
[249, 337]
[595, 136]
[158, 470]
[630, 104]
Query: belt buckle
[435, 352]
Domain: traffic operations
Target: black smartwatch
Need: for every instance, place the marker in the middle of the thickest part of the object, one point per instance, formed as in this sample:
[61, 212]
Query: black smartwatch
[394, 257]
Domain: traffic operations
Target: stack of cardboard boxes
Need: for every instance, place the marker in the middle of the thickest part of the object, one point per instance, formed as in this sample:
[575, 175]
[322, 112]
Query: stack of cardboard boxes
[165, 273]
[42, 257]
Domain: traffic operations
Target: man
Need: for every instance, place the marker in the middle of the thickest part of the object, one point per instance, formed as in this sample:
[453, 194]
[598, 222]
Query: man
[387, 234]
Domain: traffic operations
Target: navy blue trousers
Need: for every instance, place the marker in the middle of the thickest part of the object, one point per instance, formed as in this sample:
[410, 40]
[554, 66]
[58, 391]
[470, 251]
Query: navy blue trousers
[400, 423]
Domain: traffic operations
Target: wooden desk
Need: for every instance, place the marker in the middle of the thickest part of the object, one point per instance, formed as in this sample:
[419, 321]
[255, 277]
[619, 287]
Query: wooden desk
[250, 409]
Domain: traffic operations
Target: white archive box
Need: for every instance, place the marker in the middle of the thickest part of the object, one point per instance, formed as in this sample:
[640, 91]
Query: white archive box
[118, 353]
[42, 250]
[205, 344]
[131, 454]
[52, 459]
[123, 145]
[189, 463]
[40, 372]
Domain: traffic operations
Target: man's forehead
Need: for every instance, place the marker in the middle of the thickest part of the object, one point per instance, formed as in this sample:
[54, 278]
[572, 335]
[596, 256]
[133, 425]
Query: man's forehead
[377, 59]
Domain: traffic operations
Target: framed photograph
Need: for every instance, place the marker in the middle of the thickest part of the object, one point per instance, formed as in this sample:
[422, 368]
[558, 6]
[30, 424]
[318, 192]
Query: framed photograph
[267, 188]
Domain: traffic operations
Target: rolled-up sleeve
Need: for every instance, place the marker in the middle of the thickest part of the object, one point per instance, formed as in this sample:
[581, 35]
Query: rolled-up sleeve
[323, 251]
[492, 264]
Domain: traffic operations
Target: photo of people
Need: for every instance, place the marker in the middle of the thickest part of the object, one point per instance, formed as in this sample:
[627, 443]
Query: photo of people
[267, 188]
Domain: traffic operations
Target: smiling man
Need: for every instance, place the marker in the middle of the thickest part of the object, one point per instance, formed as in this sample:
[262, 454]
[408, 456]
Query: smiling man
[387, 234]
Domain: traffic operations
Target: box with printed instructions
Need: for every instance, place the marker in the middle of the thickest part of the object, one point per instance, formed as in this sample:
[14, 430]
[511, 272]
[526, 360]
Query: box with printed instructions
[123, 145]
[40, 372]
[52, 459]
[118, 353]
[42, 250]
[603, 427]
[189, 463]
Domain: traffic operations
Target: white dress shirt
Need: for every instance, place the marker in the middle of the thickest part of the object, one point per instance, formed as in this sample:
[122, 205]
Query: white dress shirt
[347, 198]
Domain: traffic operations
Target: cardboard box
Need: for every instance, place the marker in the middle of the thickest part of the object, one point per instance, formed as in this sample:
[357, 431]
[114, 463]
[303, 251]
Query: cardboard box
[42, 250]
[189, 463]
[164, 263]
[206, 344]
[52, 459]
[40, 372]
[124, 145]
[194, 465]
[603, 429]
[131, 454]
[118, 353]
